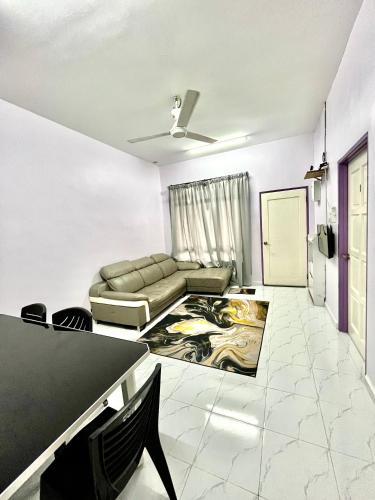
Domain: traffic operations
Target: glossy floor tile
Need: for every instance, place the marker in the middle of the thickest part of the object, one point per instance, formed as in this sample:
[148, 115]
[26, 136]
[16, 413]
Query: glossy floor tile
[343, 389]
[355, 478]
[198, 386]
[303, 428]
[240, 399]
[291, 378]
[204, 486]
[294, 415]
[350, 431]
[231, 450]
[181, 428]
[288, 352]
[147, 480]
[293, 469]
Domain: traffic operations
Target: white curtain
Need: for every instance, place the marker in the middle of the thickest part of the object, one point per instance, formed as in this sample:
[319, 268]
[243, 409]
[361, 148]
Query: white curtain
[210, 222]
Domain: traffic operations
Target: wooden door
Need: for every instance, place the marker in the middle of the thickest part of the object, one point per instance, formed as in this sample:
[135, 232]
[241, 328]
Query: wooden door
[357, 249]
[284, 237]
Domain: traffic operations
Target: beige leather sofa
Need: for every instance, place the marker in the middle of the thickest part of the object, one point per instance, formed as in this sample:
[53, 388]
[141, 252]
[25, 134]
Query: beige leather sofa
[134, 292]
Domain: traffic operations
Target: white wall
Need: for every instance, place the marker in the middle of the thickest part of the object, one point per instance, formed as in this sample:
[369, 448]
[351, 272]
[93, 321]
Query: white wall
[273, 165]
[68, 205]
[349, 113]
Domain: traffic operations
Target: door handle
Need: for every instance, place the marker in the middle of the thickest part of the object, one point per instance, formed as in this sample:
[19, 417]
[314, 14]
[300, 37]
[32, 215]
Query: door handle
[345, 256]
[265, 242]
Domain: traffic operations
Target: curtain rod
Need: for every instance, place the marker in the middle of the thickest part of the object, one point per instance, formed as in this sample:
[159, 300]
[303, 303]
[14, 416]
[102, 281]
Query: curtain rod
[212, 179]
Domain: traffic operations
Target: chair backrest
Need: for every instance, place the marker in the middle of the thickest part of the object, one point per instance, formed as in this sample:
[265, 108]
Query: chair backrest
[73, 318]
[34, 312]
[117, 446]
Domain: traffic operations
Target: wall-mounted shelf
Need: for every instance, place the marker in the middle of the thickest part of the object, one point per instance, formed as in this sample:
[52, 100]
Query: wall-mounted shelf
[316, 174]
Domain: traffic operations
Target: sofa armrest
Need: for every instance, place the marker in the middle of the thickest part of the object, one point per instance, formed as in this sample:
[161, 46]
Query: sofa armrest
[187, 266]
[124, 296]
[113, 309]
[97, 289]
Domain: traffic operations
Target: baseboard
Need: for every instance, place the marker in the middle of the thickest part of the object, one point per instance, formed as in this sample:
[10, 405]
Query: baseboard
[370, 386]
[332, 316]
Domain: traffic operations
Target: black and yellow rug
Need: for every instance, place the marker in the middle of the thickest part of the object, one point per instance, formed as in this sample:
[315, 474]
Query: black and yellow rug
[217, 332]
[245, 290]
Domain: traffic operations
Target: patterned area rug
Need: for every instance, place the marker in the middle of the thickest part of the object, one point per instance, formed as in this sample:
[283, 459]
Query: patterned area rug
[218, 332]
[243, 291]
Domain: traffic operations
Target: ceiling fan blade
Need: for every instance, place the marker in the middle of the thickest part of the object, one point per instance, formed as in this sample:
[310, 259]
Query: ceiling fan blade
[199, 137]
[188, 105]
[148, 137]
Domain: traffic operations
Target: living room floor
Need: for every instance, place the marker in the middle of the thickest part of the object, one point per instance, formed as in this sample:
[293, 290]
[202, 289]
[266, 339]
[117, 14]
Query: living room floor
[304, 427]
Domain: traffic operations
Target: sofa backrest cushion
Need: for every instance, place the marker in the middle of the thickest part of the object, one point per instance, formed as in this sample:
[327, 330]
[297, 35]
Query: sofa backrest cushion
[116, 269]
[142, 262]
[159, 257]
[131, 276]
[151, 274]
[168, 267]
[131, 282]
[185, 266]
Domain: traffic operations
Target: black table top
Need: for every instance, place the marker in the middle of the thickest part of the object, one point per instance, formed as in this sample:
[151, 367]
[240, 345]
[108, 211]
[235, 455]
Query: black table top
[48, 379]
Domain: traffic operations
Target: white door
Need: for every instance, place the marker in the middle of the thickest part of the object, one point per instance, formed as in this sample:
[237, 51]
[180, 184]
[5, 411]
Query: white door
[284, 233]
[357, 248]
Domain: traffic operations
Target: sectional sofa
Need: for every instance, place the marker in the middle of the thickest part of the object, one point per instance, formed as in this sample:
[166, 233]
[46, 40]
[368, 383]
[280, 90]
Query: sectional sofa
[134, 292]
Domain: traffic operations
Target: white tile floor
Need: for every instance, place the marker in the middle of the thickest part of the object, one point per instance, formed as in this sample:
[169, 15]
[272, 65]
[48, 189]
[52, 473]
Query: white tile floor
[303, 428]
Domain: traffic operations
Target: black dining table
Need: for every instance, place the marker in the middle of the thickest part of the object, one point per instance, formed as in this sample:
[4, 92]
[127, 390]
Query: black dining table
[51, 382]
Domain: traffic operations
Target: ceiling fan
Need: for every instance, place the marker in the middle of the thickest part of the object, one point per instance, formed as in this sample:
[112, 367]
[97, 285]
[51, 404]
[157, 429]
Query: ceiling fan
[181, 112]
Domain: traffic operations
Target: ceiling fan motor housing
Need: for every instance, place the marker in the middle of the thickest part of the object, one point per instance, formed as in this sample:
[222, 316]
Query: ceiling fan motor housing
[181, 113]
[178, 132]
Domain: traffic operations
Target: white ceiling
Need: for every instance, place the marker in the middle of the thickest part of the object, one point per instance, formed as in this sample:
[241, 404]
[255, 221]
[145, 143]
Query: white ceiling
[109, 69]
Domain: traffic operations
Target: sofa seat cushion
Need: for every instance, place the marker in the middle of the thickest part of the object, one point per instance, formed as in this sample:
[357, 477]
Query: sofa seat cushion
[208, 280]
[175, 278]
[164, 291]
[181, 274]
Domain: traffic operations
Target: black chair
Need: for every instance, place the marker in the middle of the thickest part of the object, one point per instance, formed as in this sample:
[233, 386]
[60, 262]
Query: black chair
[100, 460]
[34, 313]
[73, 318]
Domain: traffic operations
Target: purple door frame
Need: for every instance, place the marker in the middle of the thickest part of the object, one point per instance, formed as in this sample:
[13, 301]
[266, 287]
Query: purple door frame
[261, 220]
[343, 284]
